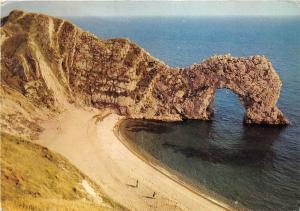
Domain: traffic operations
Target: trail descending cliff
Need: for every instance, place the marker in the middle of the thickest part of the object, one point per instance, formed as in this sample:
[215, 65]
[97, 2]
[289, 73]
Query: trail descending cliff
[47, 63]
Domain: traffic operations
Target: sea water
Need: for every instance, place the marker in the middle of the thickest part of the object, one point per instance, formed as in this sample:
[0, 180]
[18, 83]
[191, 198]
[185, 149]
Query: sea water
[256, 166]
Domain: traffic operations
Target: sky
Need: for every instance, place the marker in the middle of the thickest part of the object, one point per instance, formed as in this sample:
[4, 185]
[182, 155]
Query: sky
[157, 8]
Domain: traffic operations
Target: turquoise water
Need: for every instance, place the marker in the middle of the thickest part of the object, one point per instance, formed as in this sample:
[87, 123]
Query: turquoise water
[259, 167]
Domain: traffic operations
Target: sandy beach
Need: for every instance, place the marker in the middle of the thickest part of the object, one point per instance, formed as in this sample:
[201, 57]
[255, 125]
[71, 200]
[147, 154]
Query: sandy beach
[88, 140]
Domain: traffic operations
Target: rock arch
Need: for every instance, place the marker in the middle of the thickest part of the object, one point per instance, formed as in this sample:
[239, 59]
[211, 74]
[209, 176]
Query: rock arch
[252, 79]
[118, 74]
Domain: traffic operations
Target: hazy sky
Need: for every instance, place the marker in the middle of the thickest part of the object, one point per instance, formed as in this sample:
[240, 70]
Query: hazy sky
[156, 8]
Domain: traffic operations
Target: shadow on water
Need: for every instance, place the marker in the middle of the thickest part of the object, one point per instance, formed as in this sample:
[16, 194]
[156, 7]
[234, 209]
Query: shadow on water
[155, 127]
[256, 147]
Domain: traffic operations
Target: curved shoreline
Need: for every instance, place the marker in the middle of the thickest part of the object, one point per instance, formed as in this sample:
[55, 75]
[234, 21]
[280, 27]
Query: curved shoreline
[179, 179]
[89, 141]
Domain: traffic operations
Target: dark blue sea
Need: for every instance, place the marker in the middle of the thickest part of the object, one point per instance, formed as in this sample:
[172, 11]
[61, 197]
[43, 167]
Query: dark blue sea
[255, 166]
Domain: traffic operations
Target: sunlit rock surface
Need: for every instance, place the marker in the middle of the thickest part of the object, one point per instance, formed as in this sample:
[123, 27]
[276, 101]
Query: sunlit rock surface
[48, 62]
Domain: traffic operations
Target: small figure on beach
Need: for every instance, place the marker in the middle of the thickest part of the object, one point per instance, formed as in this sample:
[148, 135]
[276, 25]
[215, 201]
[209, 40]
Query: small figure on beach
[137, 183]
[154, 194]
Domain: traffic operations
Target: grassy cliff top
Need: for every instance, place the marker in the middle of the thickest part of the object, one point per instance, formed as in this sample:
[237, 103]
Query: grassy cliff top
[34, 178]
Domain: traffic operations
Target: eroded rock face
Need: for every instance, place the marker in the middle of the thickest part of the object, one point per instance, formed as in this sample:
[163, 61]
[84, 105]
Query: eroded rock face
[253, 79]
[52, 62]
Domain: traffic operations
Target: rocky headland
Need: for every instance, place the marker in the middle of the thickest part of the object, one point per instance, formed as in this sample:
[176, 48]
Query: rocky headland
[47, 63]
[56, 79]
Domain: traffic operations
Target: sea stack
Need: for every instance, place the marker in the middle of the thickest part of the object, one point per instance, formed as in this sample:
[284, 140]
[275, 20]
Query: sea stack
[47, 63]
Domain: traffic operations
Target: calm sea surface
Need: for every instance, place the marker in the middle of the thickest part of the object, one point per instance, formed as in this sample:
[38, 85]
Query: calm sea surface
[258, 167]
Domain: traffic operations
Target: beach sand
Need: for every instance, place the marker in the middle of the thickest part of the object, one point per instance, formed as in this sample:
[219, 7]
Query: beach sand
[87, 139]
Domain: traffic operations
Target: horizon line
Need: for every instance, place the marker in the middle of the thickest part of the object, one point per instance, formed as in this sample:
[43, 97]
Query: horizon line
[214, 15]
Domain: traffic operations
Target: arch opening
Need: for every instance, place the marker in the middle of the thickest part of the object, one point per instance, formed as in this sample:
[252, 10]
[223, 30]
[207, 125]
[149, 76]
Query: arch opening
[227, 106]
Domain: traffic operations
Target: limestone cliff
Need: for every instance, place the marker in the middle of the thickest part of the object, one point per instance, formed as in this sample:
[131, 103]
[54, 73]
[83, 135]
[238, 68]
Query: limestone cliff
[47, 63]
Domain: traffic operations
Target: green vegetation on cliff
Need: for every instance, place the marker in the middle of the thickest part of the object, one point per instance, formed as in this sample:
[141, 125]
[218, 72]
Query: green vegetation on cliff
[34, 178]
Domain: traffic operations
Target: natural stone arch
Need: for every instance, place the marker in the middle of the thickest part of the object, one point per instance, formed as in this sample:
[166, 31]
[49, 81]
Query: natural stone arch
[253, 79]
[120, 75]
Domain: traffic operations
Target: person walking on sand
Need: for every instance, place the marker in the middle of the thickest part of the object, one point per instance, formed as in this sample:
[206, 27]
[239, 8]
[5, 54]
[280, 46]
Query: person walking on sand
[137, 183]
[154, 194]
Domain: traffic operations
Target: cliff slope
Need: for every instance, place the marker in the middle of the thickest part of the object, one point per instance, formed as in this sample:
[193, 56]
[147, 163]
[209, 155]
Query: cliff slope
[48, 63]
[44, 180]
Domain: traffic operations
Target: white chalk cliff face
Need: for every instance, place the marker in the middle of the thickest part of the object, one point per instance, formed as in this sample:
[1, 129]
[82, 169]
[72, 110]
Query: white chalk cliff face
[47, 63]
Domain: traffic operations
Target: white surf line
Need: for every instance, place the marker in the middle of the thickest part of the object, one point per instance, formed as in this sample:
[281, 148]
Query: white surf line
[165, 172]
[153, 177]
